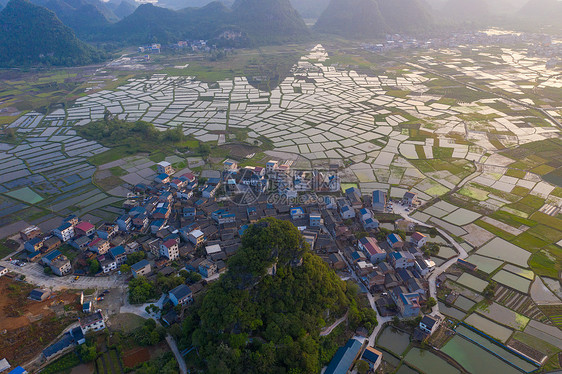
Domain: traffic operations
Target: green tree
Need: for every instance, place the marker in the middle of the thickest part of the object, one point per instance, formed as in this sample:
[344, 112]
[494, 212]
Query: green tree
[433, 232]
[93, 266]
[135, 257]
[362, 367]
[431, 302]
[141, 290]
[87, 353]
[284, 310]
[125, 268]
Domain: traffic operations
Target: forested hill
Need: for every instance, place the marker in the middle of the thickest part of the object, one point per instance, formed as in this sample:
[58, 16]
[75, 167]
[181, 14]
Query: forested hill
[269, 20]
[461, 10]
[371, 18]
[542, 12]
[30, 35]
[260, 21]
[253, 322]
[150, 23]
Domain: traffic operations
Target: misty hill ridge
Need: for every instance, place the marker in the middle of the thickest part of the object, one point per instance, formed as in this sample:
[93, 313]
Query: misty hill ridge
[467, 10]
[542, 10]
[269, 20]
[30, 34]
[368, 18]
[87, 17]
[261, 21]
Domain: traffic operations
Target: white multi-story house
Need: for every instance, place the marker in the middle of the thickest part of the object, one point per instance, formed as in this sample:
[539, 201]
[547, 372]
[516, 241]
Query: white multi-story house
[170, 249]
[64, 232]
[93, 322]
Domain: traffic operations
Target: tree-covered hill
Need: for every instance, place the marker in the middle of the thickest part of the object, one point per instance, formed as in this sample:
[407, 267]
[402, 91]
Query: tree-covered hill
[83, 16]
[149, 23]
[370, 18]
[461, 10]
[30, 35]
[310, 8]
[261, 21]
[123, 8]
[406, 15]
[181, 4]
[266, 21]
[253, 322]
[542, 12]
[352, 18]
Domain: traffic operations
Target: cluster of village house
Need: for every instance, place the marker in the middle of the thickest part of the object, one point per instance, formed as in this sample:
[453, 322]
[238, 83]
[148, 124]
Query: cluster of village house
[176, 219]
[193, 45]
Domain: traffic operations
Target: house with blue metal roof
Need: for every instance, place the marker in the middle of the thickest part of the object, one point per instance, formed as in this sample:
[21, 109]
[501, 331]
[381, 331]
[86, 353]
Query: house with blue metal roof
[347, 212]
[297, 213]
[222, 216]
[51, 256]
[64, 232]
[395, 241]
[162, 178]
[118, 253]
[379, 200]
[18, 370]
[141, 268]
[373, 357]
[344, 358]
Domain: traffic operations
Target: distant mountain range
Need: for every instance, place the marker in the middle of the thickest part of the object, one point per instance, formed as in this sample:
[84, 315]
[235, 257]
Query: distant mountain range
[181, 4]
[369, 18]
[86, 17]
[310, 8]
[268, 20]
[542, 11]
[31, 34]
[306, 8]
[462, 10]
[259, 22]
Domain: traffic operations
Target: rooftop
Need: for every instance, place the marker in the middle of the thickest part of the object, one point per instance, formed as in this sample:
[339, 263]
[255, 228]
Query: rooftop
[181, 291]
[91, 319]
[139, 265]
[344, 357]
[85, 226]
[371, 354]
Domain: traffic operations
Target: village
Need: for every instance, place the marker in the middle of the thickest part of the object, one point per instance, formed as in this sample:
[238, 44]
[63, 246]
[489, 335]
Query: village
[445, 212]
[180, 224]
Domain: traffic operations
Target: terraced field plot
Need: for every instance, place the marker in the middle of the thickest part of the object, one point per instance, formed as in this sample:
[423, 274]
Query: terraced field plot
[472, 282]
[393, 340]
[513, 281]
[451, 312]
[505, 251]
[504, 316]
[519, 302]
[478, 360]
[491, 328]
[485, 264]
[427, 362]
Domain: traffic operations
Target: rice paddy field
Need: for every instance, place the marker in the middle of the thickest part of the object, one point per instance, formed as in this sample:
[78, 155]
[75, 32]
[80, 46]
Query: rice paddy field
[489, 327]
[513, 281]
[503, 316]
[467, 349]
[428, 362]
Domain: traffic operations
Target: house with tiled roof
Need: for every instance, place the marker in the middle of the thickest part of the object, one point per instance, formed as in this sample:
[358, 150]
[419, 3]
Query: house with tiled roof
[418, 239]
[84, 228]
[170, 249]
[371, 248]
